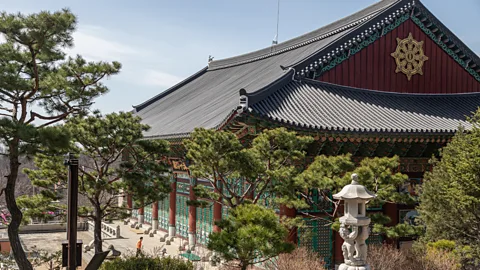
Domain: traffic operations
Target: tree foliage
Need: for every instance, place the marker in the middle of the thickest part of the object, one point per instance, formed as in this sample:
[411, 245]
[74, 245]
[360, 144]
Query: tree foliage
[40, 86]
[272, 171]
[450, 194]
[101, 141]
[239, 173]
[328, 175]
[250, 234]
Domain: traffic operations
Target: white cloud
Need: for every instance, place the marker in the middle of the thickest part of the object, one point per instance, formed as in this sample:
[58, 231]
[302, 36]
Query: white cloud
[93, 43]
[159, 78]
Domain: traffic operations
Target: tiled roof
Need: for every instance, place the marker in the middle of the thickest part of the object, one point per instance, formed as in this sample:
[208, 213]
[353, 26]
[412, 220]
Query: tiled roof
[324, 106]
[210, 97]
[206, 98]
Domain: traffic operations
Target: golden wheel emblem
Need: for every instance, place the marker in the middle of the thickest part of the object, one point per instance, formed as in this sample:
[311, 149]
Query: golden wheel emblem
[409, 56]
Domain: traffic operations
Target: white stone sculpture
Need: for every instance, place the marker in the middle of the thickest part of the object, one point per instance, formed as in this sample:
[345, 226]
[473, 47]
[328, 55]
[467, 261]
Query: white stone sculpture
[354, 225]
[348, 246]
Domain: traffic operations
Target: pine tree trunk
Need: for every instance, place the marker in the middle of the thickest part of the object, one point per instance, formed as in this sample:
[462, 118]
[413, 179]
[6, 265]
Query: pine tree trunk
[97, 231]
[15, 213]
[244, 266]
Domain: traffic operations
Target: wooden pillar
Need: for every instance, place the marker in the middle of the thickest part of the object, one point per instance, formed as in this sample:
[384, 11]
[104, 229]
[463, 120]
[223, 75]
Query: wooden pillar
[290, 213]
[217, 210]
[141, 215]
[337, 248]
[154, 216]
[192, 216]
[338, 240]
[173, 208]
[250, 194]
[391, 210]
[129, 201]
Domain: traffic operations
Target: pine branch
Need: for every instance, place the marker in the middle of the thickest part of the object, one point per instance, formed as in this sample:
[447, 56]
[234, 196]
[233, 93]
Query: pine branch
[35, 74]
[34, 115]
[54, 121]
[5, 108]
[10, 96]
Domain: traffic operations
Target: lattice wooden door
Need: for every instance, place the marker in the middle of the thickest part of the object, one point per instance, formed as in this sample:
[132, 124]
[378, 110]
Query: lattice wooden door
[182, 216]
[163, 213]
[204, 223]
[147, 211]
[317, 236]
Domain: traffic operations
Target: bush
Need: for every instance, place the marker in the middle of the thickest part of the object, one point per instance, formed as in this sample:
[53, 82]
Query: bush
[300, 258]
[147, 263]
[386, 257]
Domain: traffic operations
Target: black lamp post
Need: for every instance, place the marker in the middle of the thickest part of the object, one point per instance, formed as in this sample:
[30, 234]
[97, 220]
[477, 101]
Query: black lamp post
[73, 261]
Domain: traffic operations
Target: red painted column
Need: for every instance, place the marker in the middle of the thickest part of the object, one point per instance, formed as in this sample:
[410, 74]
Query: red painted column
[391, 210]
[155, 216]
[173, 208]
[129, 201]
[217, 210]
[192, 216]
[338, 240]
[250, 194]
[141, 214]
[290, 213]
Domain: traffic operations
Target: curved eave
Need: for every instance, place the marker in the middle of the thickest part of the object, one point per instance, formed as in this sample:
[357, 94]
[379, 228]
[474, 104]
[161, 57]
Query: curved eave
[324, 107]
[341, 130]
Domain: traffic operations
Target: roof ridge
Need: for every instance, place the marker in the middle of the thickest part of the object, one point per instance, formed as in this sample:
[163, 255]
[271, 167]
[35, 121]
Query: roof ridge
[141, 106]
[298, 41]
[450, 34]
[378, 92]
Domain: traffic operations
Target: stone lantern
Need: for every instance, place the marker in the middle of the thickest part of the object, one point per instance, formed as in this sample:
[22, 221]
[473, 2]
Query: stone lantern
[354, 225]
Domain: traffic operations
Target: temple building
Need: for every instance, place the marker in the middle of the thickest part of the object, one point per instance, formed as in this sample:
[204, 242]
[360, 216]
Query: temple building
[388, 80]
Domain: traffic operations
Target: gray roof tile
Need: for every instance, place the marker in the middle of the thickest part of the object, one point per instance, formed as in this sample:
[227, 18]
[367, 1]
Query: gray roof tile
[325, 106]
[206, 98]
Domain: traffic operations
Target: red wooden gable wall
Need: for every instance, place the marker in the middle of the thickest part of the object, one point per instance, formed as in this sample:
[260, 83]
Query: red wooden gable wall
[374, 68]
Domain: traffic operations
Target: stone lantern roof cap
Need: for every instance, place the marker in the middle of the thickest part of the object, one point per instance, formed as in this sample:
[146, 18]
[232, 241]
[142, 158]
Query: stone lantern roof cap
[354, 191]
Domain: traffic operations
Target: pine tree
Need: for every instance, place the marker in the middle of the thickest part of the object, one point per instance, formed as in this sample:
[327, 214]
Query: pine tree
[238, 173]
[328, 175]
[272, 171]
[250, 234]
[40, 86]
[113, 161]
[450, 194]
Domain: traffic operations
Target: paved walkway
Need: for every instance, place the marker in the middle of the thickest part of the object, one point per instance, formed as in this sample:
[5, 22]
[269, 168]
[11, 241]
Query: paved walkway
[151, 245]
[52, 242]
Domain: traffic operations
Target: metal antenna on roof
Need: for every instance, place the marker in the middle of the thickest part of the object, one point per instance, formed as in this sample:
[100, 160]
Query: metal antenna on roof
[275, 39]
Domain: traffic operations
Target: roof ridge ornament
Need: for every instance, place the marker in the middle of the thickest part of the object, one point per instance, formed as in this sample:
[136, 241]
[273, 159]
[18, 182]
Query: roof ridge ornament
[243, 103]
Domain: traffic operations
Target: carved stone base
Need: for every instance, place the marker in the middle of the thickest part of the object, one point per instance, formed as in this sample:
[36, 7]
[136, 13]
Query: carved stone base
[349, 267]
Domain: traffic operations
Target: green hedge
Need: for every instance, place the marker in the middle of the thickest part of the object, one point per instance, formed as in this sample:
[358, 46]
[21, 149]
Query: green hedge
[147, 263]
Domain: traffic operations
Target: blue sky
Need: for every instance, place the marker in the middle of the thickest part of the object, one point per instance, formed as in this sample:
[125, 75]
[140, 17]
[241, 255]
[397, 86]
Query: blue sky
[161, 42]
